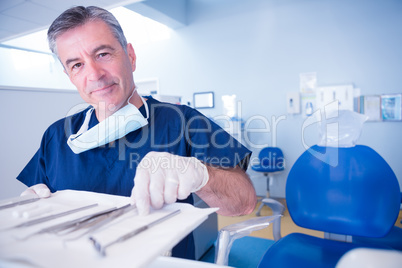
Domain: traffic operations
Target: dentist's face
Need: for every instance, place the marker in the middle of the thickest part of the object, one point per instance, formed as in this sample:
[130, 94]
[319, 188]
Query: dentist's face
[97, 64]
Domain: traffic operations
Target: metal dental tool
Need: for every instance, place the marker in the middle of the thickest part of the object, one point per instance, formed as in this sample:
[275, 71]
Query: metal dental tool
[53, 216]
[96, 222]
[16, 201]
[102, 249]
[82, 222]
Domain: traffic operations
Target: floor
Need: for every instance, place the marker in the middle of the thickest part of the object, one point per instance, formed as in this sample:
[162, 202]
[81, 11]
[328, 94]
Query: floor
[287, 225]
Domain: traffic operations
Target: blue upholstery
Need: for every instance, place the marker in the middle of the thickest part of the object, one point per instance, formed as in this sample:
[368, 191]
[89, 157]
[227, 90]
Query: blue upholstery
[270, 160]
[301, 250]
[348, 191]
[360, 196]
[393, 239]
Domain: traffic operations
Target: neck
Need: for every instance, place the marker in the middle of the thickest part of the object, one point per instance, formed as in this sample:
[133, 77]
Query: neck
[136, 100]
[102, 111]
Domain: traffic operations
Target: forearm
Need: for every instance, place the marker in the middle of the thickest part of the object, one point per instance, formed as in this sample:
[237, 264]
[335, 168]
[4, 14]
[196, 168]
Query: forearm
[229, 189]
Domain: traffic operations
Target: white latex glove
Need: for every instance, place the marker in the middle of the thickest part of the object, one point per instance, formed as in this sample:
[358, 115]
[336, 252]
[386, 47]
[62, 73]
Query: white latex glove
[41, 190]
[162, 178]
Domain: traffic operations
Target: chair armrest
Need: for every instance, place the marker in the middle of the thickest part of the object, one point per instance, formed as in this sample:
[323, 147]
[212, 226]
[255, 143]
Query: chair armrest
[228, 234]
[277, 209]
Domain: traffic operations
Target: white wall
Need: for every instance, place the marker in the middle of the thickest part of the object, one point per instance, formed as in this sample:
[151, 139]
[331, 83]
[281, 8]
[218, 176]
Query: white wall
[24, 116]
[256, 50]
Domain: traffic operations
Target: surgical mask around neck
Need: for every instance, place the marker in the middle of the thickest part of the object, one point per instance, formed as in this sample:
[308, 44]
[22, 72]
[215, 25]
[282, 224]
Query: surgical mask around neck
[114, 127]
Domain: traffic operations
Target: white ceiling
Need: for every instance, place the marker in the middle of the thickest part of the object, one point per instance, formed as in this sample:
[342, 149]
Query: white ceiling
[20, 17]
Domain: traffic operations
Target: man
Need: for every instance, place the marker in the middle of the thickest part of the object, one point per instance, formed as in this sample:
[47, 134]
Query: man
[125, 145]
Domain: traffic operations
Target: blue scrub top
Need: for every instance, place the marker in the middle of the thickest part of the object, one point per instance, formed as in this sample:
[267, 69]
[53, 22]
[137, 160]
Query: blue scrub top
[110, 169]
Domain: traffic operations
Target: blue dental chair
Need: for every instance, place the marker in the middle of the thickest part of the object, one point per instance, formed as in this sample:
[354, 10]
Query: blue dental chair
[343, 192]
[348, 192]
[393, 239]
[271, 160]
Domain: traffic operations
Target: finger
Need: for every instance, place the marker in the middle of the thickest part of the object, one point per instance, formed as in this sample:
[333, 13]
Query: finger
[140, 192]
[41, 190]
[156, 187]
[171, 186]
[186, 180]
[28, 191]
[132, 197]
[185, 187]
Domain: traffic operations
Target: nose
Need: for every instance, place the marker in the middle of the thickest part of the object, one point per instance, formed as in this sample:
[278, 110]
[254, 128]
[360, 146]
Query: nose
[94, 71]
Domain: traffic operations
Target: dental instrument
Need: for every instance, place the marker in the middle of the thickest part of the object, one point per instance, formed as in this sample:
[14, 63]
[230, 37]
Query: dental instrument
[53, 216]
[16, 201]
[102, 249]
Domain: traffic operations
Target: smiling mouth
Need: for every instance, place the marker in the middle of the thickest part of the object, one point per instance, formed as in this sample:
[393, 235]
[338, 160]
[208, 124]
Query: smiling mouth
[103, 89]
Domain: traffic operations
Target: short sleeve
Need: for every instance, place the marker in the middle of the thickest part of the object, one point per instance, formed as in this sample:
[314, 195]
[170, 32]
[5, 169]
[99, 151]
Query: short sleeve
[35, 171]
[211, 144]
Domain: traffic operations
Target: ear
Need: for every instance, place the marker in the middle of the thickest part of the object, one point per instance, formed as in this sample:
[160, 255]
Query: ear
[132, 57]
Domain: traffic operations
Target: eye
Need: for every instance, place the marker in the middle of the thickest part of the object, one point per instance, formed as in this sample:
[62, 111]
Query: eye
[103, 55]
[76, 66]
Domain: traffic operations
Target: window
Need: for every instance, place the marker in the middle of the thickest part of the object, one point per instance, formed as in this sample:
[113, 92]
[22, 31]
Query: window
[28, 62]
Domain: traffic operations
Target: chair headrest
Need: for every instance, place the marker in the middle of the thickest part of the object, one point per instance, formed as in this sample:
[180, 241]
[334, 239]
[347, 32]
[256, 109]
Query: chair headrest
[358, 196]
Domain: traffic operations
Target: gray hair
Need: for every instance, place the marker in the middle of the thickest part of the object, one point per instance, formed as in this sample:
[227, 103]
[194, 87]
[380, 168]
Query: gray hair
[78, 16]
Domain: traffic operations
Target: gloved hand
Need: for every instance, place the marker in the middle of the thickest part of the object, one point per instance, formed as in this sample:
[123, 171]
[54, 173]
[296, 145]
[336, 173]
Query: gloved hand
[162, 178]
[41, 190]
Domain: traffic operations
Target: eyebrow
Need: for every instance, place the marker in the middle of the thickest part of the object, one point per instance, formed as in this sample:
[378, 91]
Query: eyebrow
[94, 51]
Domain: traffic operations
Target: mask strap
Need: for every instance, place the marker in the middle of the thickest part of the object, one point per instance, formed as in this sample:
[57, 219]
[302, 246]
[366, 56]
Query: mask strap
[146, 107]
[143, 102]
[85, 125]
[128, 100]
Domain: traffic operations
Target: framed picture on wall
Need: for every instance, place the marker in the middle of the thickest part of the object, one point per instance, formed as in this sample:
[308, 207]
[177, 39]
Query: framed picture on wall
[370, 105]
[203, 100]
[391, 107]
